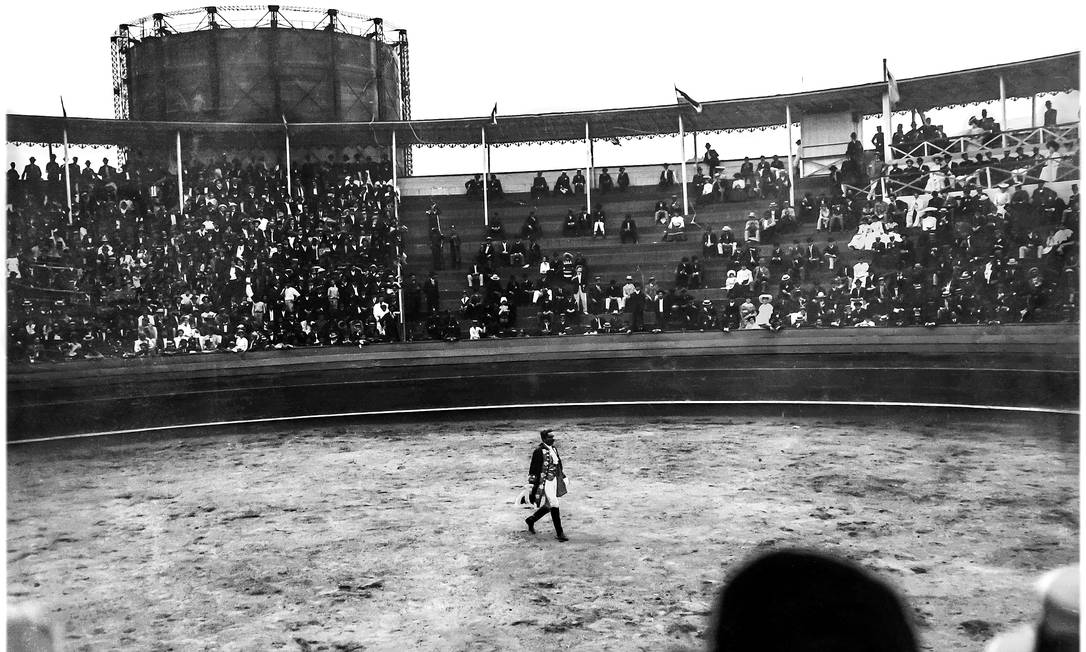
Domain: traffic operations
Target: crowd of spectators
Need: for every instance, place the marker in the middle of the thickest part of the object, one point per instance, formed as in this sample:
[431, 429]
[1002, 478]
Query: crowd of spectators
[972, 258]
[961, 254]
[1015, 166]
[243, 265]
[247, 266]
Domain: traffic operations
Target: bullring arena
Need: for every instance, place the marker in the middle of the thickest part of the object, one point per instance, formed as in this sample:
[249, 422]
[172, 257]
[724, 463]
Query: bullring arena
[255, 406]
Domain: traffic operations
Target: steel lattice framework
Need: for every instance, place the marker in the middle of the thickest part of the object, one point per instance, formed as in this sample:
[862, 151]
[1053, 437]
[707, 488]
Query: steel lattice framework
[255, 16]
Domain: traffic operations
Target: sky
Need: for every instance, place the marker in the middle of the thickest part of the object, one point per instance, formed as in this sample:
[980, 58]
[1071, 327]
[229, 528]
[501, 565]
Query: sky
[562, 55]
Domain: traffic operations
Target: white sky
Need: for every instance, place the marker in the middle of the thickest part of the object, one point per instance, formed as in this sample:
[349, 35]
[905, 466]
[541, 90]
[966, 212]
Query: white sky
[557, 55]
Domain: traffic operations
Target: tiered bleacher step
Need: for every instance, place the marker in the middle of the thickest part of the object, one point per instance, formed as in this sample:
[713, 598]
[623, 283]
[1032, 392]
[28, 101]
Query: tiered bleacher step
[607, 257]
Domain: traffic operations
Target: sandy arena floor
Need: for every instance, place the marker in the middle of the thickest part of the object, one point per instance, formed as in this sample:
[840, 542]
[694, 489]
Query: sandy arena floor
[405, 537]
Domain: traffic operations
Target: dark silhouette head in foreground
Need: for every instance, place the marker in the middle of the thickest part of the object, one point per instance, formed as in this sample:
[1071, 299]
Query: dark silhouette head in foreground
[805, 601]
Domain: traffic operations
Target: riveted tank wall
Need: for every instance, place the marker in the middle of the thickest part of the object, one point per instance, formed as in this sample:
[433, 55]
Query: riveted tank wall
[262, 75]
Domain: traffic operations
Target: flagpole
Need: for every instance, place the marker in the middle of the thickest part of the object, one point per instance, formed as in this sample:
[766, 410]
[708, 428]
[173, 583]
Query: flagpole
[682, 151]
[67, 176]
[791, 166]
[399, 259]
[886, 116]
[588, 170]
[486, 178]
[180, 182]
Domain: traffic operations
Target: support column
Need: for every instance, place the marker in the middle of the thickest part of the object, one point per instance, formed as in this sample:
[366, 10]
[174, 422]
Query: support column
[588, 170]
[486, 178]
[1002, 112]
[399, 235]
[888, 127]
[290, 187]
[791, 176]
[180, 181]
[682, 163]
[67, 176]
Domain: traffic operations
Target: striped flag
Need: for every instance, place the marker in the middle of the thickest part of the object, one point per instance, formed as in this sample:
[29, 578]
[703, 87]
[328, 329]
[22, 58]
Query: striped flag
[681, 96]
[891, 89]
[494, 115]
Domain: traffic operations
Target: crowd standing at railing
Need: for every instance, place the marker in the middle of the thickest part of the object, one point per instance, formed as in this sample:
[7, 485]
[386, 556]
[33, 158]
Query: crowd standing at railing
[244, 266]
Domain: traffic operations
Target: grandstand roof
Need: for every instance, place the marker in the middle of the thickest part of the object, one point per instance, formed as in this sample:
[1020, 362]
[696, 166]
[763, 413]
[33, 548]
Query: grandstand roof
[962, 87]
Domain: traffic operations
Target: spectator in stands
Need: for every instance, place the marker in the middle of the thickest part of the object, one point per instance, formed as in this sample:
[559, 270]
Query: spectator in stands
[1050, 115]
[14, 194]
[474, 186]
[628, 230]
[454, 241]
[711, 160]
[562, 184]
[32, 180]
[578, 183]
[878, 141]
[598, 226]
[494, 187]
[607, 184]
[539, 187]
[667, 178]
[623, 179]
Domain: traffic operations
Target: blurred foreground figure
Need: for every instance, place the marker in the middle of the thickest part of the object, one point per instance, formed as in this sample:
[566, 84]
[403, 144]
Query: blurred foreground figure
[1057, 630]
[806, 601]
[30, 629]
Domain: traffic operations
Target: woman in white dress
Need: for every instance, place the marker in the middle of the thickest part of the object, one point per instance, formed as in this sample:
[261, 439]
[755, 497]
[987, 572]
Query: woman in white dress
[1052, 162]
[863, 238]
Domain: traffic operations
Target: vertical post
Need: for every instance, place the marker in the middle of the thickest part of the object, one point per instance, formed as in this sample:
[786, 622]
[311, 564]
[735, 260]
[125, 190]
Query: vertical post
[290, 184]
[1032, 111]
[988, 173]
[588, 170]
[399, 258]
[1002, 112]
[791, 178]
[682, 163]
[67, 178]
[887, 127]
[180, 181]
[486, 178]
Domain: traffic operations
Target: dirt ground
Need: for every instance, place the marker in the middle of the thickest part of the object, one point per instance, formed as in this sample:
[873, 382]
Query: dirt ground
[396, 537]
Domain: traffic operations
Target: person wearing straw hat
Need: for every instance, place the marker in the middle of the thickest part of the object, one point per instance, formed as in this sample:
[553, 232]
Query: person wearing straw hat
[546, 484]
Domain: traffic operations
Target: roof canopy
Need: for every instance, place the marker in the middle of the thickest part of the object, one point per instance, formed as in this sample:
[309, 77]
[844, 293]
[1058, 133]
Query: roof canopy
[1021, 79]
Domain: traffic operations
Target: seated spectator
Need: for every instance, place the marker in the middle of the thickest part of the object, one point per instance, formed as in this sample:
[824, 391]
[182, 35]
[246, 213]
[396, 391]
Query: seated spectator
[676, 228]
[667, 178]
[539, 186]
[562, 185]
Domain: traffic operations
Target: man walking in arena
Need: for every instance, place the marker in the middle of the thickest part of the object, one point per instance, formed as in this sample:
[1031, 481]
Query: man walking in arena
[546, 484]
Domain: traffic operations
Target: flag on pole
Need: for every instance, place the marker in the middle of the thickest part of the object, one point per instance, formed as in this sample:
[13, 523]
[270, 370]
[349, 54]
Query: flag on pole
[616, 142]
[679, 95]
[284, 117]
[494, 115]
[891, 88]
